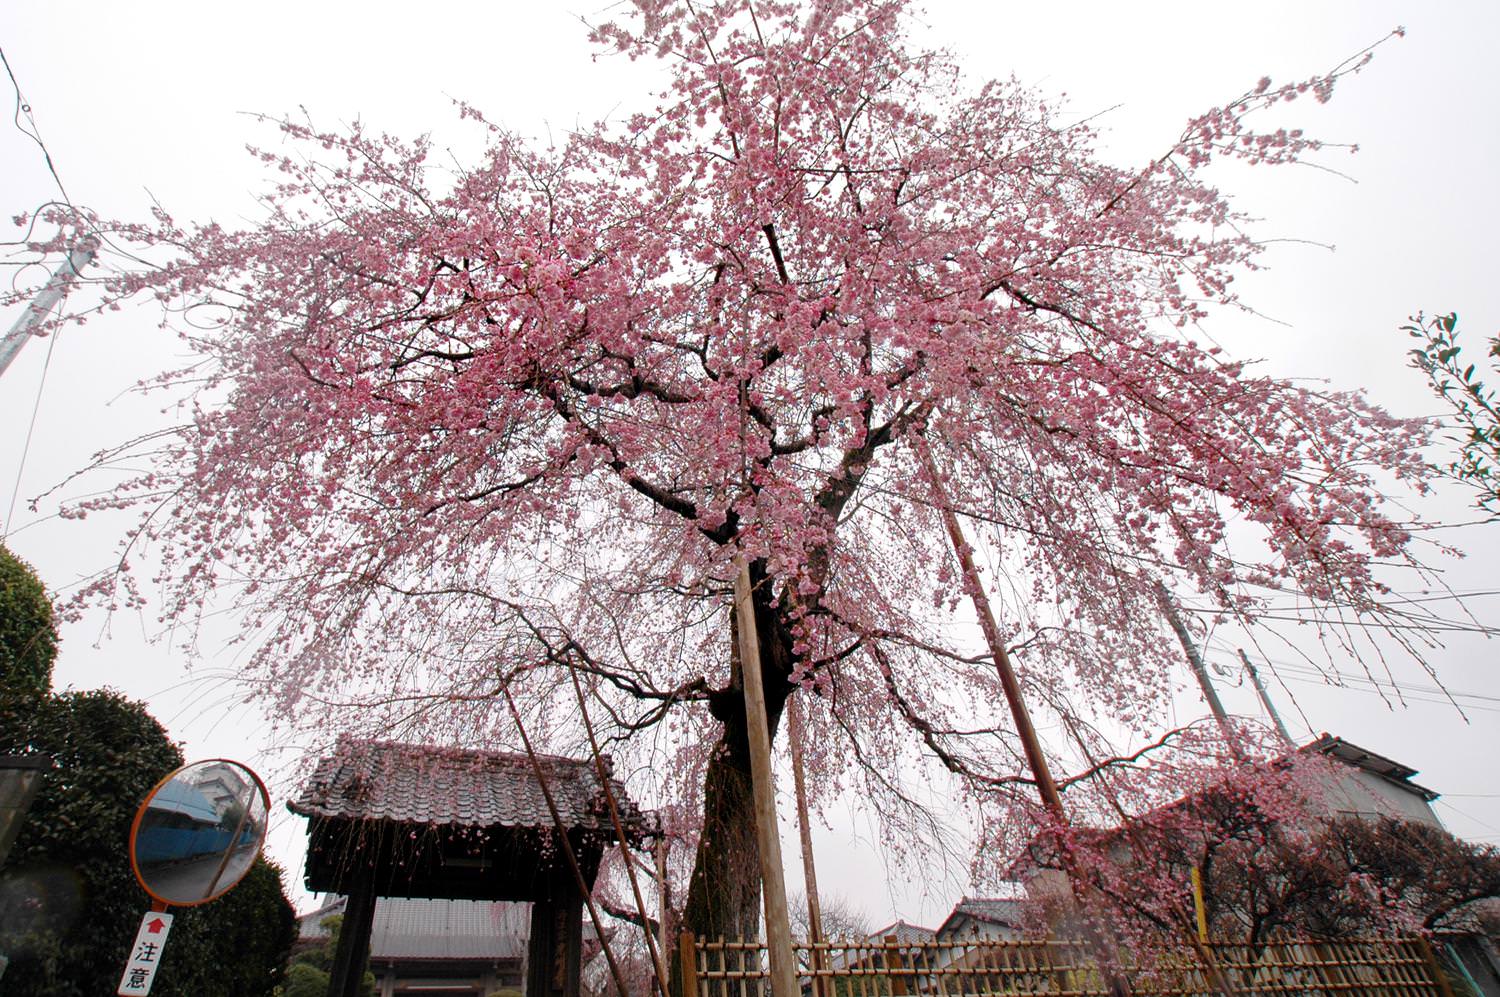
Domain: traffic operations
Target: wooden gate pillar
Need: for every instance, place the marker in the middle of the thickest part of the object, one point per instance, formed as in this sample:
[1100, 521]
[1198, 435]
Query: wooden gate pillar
[353, 954]
[541, 950]
[556, 947]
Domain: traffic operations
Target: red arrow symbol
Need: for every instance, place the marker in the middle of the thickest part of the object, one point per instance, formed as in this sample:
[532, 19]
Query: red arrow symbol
[154, 927]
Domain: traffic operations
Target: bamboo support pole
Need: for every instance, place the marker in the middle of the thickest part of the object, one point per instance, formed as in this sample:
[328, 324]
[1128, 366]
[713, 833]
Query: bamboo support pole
[816, 957]
[658, 956]
[1041, 774]
[773, 886]
[566, 846]
[1030, 743]
[664, 897]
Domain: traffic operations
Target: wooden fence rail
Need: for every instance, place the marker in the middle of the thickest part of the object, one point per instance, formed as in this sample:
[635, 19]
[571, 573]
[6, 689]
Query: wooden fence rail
[892, 967]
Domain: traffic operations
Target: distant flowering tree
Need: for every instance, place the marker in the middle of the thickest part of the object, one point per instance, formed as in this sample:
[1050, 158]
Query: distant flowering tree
[458, 433]
[1273, 859]
[1423, 877]
[1241, 830]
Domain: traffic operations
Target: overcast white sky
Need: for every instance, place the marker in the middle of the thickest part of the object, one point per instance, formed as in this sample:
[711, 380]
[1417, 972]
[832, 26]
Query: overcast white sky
[132, 98]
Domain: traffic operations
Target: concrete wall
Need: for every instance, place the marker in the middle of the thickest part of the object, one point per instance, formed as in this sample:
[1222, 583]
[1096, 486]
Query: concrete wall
[1365, 794]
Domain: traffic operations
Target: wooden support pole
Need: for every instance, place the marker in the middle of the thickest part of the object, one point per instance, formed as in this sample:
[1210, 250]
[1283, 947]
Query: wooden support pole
[664, 905]
[580, 881]
[894, 965]
[1041, 774]
[773, 886]
[1030, 743]
[1211, 970]
[816, 956]
[658, 955]
[687, 953]
[1439, 978]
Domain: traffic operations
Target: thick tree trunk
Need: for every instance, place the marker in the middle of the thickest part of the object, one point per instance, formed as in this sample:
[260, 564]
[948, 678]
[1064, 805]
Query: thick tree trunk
[723, 899]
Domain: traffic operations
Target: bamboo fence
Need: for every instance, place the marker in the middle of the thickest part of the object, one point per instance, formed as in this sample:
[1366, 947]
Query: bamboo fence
[893, 967]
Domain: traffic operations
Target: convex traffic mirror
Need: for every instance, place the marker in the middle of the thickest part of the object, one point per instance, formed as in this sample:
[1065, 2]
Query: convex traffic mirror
[198, 832]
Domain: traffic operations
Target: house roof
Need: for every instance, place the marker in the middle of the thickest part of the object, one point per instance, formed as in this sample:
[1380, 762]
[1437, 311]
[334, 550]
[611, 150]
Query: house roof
[310, 925]
[1391, 771]
[432, 930]
[990, 910]
[426, 784]
[858, 953]
[449, 930]
[904, 932]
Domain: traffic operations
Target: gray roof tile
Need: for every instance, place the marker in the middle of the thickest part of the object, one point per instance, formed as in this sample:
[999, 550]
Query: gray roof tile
[425, 784]
[449, 929]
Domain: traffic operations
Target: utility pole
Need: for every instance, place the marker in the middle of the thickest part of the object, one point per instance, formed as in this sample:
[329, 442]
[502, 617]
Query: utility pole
[1265, 700]
[46, 300]
[1200, 670]
[778, 930]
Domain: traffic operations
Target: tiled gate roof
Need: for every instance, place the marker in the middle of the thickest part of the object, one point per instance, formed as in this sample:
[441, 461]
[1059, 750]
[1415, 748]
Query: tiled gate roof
[423, 784]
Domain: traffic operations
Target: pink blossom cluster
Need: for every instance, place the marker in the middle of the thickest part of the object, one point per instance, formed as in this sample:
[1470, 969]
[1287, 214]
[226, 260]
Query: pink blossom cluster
[454, 435]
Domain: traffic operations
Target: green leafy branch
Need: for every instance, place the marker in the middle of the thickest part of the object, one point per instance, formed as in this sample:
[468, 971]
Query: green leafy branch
[1476, 407]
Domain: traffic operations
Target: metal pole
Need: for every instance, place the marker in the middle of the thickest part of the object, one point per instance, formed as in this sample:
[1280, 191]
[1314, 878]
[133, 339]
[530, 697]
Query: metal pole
[778, 931]
[45, 300]
[1265, 700]
[239, 829]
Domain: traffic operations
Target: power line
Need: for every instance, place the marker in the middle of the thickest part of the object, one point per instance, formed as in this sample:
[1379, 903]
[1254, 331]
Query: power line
[10, 514]
[1340, 678]
[33, 133]
[1468, 816]
[1406, 698]
[1382, 690]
